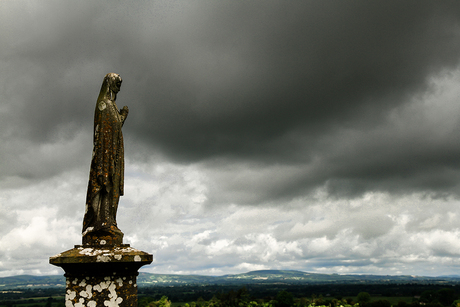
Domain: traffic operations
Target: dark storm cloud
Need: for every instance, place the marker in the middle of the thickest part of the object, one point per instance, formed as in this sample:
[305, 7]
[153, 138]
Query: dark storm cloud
[279, 83]
[271, 82]
[251, 74]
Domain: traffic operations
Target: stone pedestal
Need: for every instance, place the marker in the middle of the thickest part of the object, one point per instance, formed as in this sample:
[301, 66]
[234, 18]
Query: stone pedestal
[99, 276]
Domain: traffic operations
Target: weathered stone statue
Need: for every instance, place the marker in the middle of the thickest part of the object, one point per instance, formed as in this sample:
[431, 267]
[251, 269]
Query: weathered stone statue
[106, 175]
[103, 271]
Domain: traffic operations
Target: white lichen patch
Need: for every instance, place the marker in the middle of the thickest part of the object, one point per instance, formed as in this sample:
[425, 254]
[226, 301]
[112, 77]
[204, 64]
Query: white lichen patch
[125, 249]
[102, 285]
[114, 299]
[89, 229]
[80, 303]
[103, 242]
[86, 251]
[103, 258]
[92, 304]
[95, 252]
[102, 105]
[87, 293]
[98, 288]
[89, 289]
[118, 257]
[82, 283]
[112, 291]
[70, 295]
[137, 258]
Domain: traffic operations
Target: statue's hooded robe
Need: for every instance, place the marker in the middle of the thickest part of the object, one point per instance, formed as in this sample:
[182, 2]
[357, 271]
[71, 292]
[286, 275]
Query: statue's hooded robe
[106, 176]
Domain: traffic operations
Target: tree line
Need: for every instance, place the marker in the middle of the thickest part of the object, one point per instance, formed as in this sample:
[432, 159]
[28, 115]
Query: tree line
[445, 297]
[266, 295]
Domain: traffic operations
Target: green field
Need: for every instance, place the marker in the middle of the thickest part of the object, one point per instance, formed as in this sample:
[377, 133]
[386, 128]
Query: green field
[58, 301]
[392, 299]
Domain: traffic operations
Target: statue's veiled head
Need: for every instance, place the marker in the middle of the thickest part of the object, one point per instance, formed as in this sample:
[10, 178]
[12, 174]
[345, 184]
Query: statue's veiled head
[110, 87]
[114, 82]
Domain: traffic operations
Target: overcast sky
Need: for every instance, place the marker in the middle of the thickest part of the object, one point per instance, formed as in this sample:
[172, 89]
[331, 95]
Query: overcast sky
[320, 136]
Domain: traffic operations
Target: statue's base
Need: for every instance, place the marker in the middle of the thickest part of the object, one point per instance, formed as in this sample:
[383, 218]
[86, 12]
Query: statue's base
[101, 275]
[109, 236]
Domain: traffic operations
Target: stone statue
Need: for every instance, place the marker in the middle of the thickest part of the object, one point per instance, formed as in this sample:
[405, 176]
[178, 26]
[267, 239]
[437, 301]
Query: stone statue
[106, 175]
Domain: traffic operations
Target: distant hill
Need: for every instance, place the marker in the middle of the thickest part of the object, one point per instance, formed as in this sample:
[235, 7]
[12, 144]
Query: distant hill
[31, 281]
[253, 277]
[287, 277]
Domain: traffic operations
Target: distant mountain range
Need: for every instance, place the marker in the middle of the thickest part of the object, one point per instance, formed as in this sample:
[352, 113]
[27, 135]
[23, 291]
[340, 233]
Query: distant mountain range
[253, 277]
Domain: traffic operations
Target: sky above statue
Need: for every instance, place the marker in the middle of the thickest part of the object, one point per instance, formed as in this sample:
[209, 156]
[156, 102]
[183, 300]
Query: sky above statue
[320, 136]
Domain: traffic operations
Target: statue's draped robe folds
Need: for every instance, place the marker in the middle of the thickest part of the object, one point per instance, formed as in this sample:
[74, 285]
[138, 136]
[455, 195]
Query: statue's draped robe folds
[106, 176]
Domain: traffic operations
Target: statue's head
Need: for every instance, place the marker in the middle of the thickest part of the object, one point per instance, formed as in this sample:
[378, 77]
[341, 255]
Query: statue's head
[114, 82]
[110, 87]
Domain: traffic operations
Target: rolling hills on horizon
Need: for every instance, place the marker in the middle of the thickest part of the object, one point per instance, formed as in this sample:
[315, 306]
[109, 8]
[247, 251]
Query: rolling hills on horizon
[252, 277]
